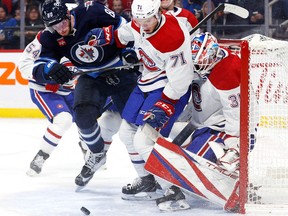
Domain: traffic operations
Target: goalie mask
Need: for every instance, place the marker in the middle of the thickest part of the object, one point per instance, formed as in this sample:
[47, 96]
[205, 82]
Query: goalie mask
[205, 53]
[53, 12]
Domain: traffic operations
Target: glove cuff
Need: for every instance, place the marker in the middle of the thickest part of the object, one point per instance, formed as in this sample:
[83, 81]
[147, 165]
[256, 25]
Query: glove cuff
[48, 66]
[166, 98]
[166, 106]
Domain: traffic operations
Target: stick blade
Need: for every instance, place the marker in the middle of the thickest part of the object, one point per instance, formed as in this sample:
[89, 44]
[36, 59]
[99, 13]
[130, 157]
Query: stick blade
[237, 10]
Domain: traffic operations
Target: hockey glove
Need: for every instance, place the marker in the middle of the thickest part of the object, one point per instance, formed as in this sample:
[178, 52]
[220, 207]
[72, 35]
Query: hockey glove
[159, 114]
[57, 72]
[129, 55]
[100, 36]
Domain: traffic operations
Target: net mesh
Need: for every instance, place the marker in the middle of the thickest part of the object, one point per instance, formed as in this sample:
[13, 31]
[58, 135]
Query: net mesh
[268, 122]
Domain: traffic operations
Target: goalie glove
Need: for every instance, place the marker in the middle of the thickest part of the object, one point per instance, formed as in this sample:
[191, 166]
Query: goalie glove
[100, 36]
[159, 114]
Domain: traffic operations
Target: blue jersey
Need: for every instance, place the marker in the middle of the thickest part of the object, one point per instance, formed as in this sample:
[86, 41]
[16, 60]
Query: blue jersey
[88, 16]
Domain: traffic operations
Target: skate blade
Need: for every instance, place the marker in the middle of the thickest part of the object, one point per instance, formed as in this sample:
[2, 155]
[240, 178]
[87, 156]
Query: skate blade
[142, 196]
[103, 167]
[173, 206]
[79, 188]
[31, 173]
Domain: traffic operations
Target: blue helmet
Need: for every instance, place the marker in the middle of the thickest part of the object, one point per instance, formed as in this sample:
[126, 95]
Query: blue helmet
[53, 12]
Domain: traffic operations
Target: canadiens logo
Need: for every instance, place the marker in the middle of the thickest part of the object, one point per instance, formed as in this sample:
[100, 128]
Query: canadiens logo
[60, 106]
[148, 62]
[85, 54]
[196, 97]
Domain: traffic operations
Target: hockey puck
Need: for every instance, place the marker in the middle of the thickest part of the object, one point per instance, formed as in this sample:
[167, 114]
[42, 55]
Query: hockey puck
[85, 210]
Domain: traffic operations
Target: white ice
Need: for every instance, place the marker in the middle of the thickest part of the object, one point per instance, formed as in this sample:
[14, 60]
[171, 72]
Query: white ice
[52, 193]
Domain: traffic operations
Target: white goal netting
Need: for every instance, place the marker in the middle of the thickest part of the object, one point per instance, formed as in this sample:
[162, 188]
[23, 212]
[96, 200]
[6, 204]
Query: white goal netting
[267, 186]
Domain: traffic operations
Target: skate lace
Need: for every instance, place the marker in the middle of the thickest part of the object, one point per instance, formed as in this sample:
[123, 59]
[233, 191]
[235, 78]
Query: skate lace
[93, 159]
[135, 184]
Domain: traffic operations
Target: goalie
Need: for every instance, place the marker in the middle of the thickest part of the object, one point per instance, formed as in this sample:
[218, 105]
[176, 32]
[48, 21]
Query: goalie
[206, 165]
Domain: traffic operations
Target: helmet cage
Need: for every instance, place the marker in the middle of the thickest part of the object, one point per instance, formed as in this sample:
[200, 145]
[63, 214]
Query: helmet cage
[205, 53]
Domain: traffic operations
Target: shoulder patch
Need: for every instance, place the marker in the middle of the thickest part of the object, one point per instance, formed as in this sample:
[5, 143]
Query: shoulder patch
[227, 73]
[169, 37]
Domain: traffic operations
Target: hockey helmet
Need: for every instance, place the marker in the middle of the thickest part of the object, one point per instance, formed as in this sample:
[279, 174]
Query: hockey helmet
[205, 53]
[53, 12]
[143, 9]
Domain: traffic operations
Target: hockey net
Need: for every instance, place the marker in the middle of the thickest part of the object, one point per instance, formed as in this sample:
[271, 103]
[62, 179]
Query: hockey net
[264, 124]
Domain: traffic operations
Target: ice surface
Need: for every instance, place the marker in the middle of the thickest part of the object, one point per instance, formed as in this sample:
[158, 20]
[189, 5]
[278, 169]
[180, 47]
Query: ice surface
[52, 193]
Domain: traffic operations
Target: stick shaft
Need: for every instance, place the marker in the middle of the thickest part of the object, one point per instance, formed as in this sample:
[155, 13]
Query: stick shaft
[81, 72]
[218, 8]
[184, 134]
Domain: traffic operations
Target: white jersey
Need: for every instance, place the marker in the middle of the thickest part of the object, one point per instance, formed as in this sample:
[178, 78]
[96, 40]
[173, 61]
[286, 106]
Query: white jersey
[26, 62]
[166, 55]
[216, 101]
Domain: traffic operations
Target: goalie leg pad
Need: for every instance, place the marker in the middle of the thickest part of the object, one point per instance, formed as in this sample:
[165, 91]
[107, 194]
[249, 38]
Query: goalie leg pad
[232, 204]
[200, 144]
[191, 172]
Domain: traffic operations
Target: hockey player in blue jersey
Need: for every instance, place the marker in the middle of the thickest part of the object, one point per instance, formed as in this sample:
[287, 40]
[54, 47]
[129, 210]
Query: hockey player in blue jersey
[66, 35]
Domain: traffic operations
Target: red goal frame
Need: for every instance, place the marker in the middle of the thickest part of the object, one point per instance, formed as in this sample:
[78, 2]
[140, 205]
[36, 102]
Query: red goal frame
[244, 117]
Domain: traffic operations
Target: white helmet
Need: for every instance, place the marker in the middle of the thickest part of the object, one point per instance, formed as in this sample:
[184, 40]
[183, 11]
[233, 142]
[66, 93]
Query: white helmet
[143, 9]
[205, 53]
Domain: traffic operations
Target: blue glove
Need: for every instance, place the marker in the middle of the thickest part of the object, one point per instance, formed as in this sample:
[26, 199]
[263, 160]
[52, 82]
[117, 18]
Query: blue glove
[100, 36]
[57, 72]
[129, 55]
[159, 114]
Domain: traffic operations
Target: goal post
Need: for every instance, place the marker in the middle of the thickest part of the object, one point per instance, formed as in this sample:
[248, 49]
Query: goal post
[263, 124]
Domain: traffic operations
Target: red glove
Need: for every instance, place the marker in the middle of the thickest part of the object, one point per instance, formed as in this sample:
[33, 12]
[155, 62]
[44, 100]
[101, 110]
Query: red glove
[100, 36]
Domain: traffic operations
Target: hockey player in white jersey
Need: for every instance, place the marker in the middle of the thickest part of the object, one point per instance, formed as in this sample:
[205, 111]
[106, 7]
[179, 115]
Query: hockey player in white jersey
[164, 46]
[190, 21]
[56, 102]
[215, 111]
[218, 71]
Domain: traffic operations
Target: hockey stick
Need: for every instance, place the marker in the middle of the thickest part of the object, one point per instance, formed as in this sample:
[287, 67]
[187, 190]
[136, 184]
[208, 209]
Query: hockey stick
[228, 8]
[178, 140]
[184, 134]
[129, 66]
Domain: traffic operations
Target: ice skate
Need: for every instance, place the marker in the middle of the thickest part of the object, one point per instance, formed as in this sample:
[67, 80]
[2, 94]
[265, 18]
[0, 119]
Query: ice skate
[93, 162]
[173, 200]
[37, 163]
[83, 148]
[143, 188]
